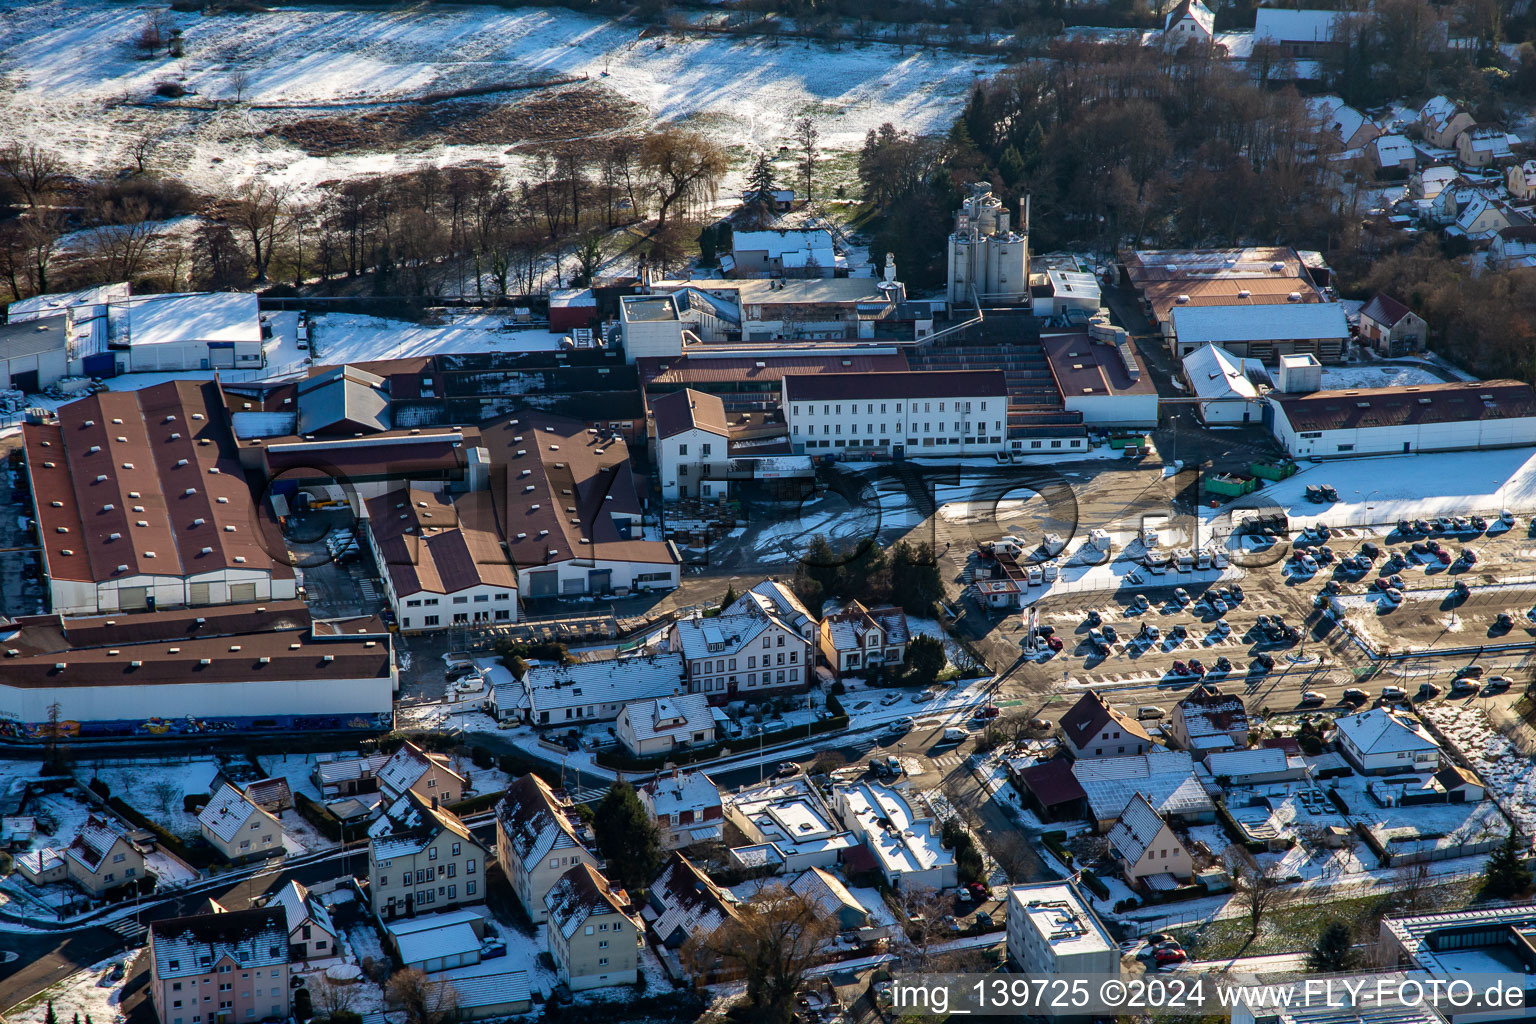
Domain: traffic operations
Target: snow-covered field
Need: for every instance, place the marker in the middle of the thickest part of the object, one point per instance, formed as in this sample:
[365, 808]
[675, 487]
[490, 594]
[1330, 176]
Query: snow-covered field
[1385, 489]
[78, 85]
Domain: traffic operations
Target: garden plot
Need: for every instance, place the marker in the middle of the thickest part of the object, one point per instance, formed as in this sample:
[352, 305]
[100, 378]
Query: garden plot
[1508, 772]
[157, 789]
[82, 994]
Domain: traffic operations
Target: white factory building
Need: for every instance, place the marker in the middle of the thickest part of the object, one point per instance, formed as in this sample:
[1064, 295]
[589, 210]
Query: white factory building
[1424, 418]
[690, 443]
[195, 331]
[1263, 332]
[935, 413]
[1223, 383]
[988, 260]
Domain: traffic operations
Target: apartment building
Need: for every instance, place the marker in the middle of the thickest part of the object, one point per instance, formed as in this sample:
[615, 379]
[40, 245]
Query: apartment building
[537, 841]
[220, 968]
[422, 857]
[592, 938]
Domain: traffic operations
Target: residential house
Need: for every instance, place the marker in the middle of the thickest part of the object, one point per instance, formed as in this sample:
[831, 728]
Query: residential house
[1513, 246]
[1484, 145]
[1298, 34]
[1379, 742]
[42, 866]
[857, 638]
[311, 933]
[690, 439]
[1393, 152]
[536, 841]
[825, 891]
[1190, 21]
[429, 776]
[1165, 777]
[788, 827]
[660, 726]
[907, 848]
[684, 903]
[1094, 729]
[349, 776]
[1256, 767]
[750, 651]
[778, 600]
[1482, 217]
[1207, 720]
[1343, 128]
[1520, 179]
[1443, 121]
[220, 968]
[238, 828]
[592, 938]
[272, 795]
[1425, 188]
[101, 858]
[1390, 327]
[1144, 846]
[422, 857]
[781, 199]
[596, 691]
[685, 806]
[1052, 930]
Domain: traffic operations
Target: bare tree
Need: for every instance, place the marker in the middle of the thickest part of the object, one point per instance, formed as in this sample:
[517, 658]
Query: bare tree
[922, 911]
[423, 1001]
[590, 253]
[165, 795]
[775, 939]
[149, 38]
[259, 212]
[121, 242]
[329, 999]
[239, 82]
[684, 166]
[40, 231]
[808, 146]
[139, 149]
[1257, 890]
[34, 172]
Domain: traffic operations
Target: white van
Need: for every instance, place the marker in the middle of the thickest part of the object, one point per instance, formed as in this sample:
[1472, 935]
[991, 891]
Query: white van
[955, 735]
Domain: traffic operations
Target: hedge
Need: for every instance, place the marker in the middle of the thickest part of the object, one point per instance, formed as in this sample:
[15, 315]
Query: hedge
[477, 803]
[1095, 883]
[1236, 834]
[199, 857]
[1054, 842]
[318, 816]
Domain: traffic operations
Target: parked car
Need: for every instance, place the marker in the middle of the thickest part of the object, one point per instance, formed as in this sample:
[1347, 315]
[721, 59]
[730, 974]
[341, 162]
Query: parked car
[1470, 672]
[1370, 549]
[1393, 693]
[1141, 603]
[1148, 712]
[1311, 698]
[987, 711]
[1110, 635]
[1181, 595]
[1263, 662]
[1054, 643]
[1465, 687]
[889, 699]
[902, 724]
[1393, 596]
[1195, 667]
[980, 893]
[1180, 669]
[1237, 593]
[1428, 691]
[1223, 664]
[786, 769]
[1169, 956]
[1503, 623]
[1354, 695]
[1460, 590]
[1497, 684]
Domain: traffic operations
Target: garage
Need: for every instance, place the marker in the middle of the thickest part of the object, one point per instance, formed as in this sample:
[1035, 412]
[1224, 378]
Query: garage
[544, 584]
[33, 354]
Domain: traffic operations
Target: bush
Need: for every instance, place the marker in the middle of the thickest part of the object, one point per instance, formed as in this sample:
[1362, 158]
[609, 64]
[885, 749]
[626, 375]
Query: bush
[1055, 842]
[100, 788]
[191, 803]
[837, 689]
[1095, 884]
[482, 802]
[303, 1008]
[170, 90]
[481, 758]
[317, 816]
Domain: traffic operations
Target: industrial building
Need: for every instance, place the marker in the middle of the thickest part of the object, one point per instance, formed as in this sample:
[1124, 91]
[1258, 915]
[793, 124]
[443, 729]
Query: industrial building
[1423, 418]
[1169, 279]
[1104, 380]
[691, 444]
[34, 353]
[141, 503]
[960, 412]
[1224, 384]
[988, 260]
[262, 668]
[1265, 333]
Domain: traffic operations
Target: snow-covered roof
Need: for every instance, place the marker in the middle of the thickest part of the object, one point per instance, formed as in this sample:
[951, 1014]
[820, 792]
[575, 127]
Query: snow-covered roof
[1437, 110]
[57, 302]
[850, 627]
[581, 894]
[1215, 373]
[194, 945]
[882, 816]
[825, 890]
[1392, 150]
[777, 600]
[410, 825]
[1165, 777]
[228, 811]
[178, 318]
[1062, 917]
[95, 841]
[1336, 117]
[301, 909]
[791, 244]
[677, 717]
[344, 769]
[408, 764]
[1237, 763]
[496, 986]
[1136, 828]
[721, 636]
[451, 933]
[1276, 25]
[790, 816]
[1380, 732]
[1195, 10]
[552, 688]
[41, 860]
[1199, 325]
[683, 901]
[533, 820]
[677, 791]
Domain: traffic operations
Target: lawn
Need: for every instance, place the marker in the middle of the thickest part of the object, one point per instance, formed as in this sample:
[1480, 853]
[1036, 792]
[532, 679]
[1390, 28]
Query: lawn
[1291, 928]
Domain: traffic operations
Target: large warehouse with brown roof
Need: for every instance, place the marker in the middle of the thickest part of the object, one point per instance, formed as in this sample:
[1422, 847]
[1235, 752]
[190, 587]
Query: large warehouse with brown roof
[1423, 418]
[264, 668]
[140, 503]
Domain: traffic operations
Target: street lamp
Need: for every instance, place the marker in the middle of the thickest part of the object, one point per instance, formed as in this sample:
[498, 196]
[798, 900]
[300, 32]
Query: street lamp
[1365, 519]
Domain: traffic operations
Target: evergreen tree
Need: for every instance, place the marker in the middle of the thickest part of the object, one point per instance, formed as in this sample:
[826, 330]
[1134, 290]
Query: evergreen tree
[729, 598]
[627, 838]
[1333, 953]
[915, 580]
[1506, 875]
[760, 178]
[925, 659]
[50, 1017]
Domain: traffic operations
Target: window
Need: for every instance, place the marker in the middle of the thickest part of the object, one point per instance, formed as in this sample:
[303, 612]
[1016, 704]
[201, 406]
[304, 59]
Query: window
[482, 599]
[682, 449]
[705, 451]
[469, 866]
[413, 604]
[602, 961]
[451, 890]
[430, 620]
[452, 868]
[461, 600]
[602, 944]
[432, 853]
[456, 849]
[469, 888]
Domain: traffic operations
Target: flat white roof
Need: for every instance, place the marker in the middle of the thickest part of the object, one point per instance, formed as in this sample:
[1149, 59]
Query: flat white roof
[1285, 321]
[1062, 919]
[193, 317]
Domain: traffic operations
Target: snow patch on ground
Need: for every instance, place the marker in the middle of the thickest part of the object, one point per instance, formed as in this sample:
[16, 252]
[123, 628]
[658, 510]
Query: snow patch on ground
[1508, 773]
[156, 790]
